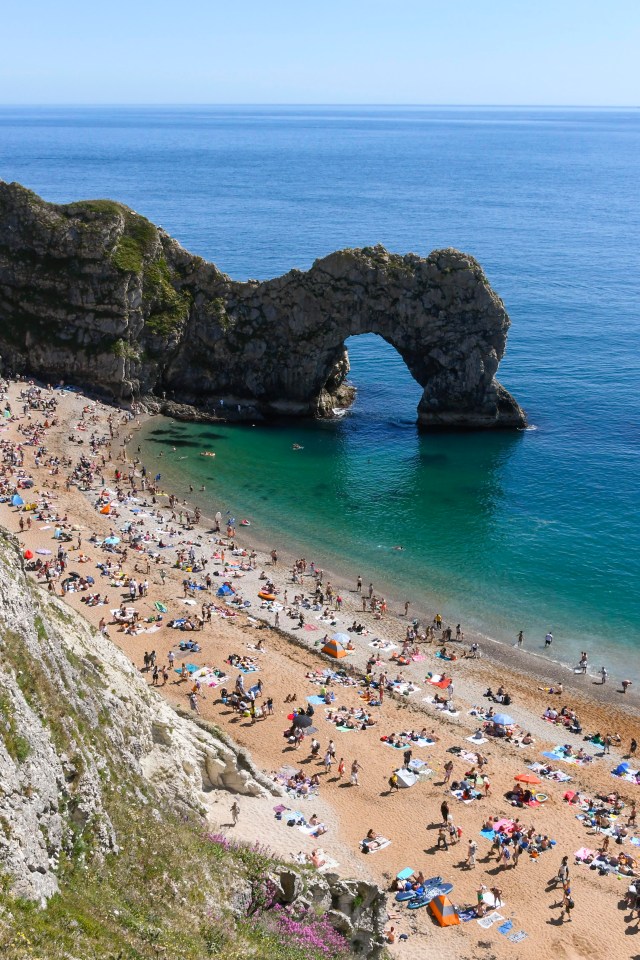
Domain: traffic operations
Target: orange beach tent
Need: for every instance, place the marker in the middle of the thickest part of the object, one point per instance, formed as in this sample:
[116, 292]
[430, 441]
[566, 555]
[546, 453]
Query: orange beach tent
[334, 648]
[444, 912]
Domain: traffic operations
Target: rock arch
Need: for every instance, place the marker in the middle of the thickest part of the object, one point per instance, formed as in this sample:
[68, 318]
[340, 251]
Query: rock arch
[95, 294]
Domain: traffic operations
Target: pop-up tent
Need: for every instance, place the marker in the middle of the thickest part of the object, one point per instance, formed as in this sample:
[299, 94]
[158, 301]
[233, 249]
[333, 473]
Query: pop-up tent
[334, 648]
[406, 778]
[225, 590]
[444, 912]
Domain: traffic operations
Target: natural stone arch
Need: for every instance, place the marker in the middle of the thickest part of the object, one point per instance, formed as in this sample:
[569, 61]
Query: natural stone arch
[439, 313]
[95, 294]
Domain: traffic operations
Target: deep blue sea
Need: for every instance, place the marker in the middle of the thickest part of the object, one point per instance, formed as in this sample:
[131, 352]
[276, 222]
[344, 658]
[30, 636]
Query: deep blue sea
[535, 530]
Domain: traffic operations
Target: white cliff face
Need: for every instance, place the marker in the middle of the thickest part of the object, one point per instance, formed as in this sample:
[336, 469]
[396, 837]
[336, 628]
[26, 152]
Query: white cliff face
[73, 710]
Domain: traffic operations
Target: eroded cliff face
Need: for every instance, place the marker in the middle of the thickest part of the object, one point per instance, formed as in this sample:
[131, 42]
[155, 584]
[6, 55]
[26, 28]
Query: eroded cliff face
[95, 294]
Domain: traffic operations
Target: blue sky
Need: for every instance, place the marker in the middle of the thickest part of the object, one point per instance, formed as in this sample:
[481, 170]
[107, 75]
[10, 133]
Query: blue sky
[280, 51]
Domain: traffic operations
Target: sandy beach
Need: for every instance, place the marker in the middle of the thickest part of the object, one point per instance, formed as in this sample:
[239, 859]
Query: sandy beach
[410, 818]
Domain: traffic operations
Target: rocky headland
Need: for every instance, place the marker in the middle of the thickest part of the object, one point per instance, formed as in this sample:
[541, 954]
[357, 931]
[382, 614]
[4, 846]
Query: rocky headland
[94, 294]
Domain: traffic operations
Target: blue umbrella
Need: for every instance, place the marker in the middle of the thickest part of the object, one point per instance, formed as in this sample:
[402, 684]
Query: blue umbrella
[503, 719]
[17, 501]
[112, 541]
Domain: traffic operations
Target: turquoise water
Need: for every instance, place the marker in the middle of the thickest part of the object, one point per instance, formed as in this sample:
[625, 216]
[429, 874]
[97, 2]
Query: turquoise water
[536, 530]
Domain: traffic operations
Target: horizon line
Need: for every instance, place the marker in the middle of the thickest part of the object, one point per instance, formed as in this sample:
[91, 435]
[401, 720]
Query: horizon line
[247, 103]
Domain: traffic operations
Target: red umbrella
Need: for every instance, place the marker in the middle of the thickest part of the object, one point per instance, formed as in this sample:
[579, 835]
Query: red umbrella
[28, 555]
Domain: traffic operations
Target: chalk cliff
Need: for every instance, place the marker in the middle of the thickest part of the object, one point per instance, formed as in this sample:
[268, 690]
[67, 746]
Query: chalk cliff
[95, 294]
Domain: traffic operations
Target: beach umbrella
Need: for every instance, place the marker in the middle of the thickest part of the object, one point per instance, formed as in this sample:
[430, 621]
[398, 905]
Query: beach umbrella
[301, 720]
[503, 720]
[527, 778]
[341, 637]
[28, 555]
[17, 501]
[112, 541]
[106, 509]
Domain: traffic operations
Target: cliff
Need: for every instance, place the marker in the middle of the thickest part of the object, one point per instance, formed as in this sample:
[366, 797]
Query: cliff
[105, 794]
[96, 295]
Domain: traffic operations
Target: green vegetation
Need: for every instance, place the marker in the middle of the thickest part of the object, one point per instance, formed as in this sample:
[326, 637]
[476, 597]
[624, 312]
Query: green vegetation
[16, 745]
[135, 244]
[123, 349]
[83, 207]
[168, 306]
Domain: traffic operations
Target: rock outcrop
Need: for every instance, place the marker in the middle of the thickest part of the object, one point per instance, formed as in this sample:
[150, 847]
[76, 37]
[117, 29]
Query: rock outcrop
[96, 295]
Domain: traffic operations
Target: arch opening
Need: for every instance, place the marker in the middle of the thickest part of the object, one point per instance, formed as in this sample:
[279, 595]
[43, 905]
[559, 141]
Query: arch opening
[380, 384]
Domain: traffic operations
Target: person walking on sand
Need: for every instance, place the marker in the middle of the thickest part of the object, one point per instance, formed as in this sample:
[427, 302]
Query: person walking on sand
[355, 771]
[603, 675]
[567, 904]
[359, 585]
[406, 608]
[328, 760]
[563, 872]
[444, 810]
[442, 839]
[471, 855]
[448, 770]
[235, 812]
[341, 768]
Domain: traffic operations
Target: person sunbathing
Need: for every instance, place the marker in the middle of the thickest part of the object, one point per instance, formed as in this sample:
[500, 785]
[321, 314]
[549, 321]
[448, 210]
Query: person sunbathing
[373, 840]
[317, 858]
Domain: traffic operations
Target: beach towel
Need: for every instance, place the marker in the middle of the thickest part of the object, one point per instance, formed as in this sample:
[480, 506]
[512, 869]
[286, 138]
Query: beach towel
[329, 864]
[488, 834]
[405, 874]
[466, 915]
[506, 928]
[584, 853]
[379, 845]
[518, 937]
[487, 922]
[316, 701]
[477, 740]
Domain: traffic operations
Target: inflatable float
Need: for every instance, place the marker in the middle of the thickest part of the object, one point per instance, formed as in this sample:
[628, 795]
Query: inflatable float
[266, 596]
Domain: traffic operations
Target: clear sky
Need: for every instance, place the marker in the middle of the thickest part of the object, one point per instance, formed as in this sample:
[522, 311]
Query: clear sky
[335, 51]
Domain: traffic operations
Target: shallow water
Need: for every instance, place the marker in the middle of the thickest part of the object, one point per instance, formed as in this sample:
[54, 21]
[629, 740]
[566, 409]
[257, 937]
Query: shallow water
[535, 530]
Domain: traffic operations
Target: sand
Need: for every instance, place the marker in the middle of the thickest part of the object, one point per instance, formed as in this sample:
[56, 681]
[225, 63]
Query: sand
[599, 926]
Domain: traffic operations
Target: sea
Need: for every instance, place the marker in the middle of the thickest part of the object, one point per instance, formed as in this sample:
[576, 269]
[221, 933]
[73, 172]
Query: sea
[536, 530]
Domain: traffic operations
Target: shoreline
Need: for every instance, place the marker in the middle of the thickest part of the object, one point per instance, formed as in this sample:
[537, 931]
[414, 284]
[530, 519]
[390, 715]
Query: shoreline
[523, 663]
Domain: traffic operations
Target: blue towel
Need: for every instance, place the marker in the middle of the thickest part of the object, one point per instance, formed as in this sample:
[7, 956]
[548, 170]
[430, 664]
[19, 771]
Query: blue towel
[316, 701]
[488, 834]
[506, 928]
